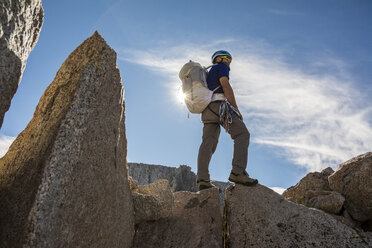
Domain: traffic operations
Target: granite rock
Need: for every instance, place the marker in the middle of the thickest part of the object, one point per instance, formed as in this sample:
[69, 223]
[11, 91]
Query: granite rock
[259, 217]
[20, 25]
[146, 208]
[63, 182]
[195, 222]
[346, 219]
[328, 201]
[313, 191]
[153, 201]
[353, 179]
[133, 184]
[316, 182]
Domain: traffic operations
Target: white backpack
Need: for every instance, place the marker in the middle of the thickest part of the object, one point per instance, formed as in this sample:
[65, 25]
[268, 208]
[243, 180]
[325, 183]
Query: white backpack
[194, 86]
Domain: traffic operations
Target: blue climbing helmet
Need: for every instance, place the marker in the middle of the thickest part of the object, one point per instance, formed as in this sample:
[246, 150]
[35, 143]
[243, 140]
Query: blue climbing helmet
[220, 53]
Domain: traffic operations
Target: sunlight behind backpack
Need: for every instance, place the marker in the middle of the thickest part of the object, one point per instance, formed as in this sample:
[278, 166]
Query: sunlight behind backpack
[194, 86]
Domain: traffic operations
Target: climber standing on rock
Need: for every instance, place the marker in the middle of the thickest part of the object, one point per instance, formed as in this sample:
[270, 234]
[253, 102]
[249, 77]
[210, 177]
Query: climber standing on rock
[224, 111]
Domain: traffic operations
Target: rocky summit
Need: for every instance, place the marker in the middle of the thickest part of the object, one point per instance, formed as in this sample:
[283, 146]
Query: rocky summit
[20, 25]
[63, 182]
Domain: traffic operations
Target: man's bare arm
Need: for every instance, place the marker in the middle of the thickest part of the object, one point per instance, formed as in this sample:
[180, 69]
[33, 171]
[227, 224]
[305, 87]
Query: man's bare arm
[229, 93]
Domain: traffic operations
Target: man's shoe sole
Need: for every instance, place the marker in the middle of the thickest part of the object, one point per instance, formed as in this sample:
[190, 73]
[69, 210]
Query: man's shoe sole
[255, 182]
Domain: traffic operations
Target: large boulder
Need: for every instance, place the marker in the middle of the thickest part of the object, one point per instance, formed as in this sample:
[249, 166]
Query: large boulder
[328, 201]
[313, 191]
[63, 182]
[195, 222]
[153, 201]
[259, 217]
[20, 25]
[353, 179]
[314, 182]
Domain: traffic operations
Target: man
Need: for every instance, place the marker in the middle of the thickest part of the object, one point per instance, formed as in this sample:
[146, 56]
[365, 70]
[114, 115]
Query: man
[223, 110]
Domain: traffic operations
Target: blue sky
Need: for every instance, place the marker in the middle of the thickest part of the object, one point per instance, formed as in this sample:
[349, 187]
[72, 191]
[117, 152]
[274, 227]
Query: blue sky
[300, 71]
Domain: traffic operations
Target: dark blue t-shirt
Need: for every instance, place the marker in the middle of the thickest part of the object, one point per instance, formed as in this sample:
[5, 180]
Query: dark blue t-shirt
[215, 73]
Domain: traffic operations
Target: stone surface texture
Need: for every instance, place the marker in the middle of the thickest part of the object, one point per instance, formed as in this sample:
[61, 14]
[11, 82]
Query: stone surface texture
[314, 191]
[63, 182]
[133, 184]
[259, 217]
[20, 25]
[330, 201]
[195, 222]
[353, 179]
[313, 184]
[180, 179]
[346, 219]
[153, 201]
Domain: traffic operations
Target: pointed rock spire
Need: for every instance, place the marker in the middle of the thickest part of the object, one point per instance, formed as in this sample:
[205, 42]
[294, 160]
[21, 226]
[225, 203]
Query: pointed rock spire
[63, 182]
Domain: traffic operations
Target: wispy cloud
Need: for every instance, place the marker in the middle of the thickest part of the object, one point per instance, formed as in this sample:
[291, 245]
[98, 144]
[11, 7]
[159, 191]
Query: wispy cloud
[5, 142]
[315, 120]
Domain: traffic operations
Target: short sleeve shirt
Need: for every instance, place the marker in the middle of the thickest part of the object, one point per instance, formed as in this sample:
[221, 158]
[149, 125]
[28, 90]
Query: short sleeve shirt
[215, 73]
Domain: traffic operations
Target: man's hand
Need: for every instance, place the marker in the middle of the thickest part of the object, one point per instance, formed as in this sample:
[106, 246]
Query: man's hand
[240, 115]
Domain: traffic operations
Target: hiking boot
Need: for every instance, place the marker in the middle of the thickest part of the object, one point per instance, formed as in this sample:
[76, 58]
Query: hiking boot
[243, 179]
[205, 184]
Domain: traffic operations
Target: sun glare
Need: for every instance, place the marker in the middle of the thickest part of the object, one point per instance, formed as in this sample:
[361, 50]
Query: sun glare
[180, 96]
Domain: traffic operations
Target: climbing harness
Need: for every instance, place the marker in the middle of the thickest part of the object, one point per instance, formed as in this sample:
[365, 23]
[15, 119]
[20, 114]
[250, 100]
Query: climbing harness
[225, 114]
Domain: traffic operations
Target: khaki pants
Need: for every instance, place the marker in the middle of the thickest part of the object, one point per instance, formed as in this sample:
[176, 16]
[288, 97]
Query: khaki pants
[211, 132]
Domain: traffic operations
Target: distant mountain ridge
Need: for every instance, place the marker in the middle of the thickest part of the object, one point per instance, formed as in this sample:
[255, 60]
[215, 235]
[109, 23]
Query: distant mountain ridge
[180, 179]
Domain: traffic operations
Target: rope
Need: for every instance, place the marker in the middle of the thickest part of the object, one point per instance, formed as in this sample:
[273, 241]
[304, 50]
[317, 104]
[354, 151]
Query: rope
[226, 114]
